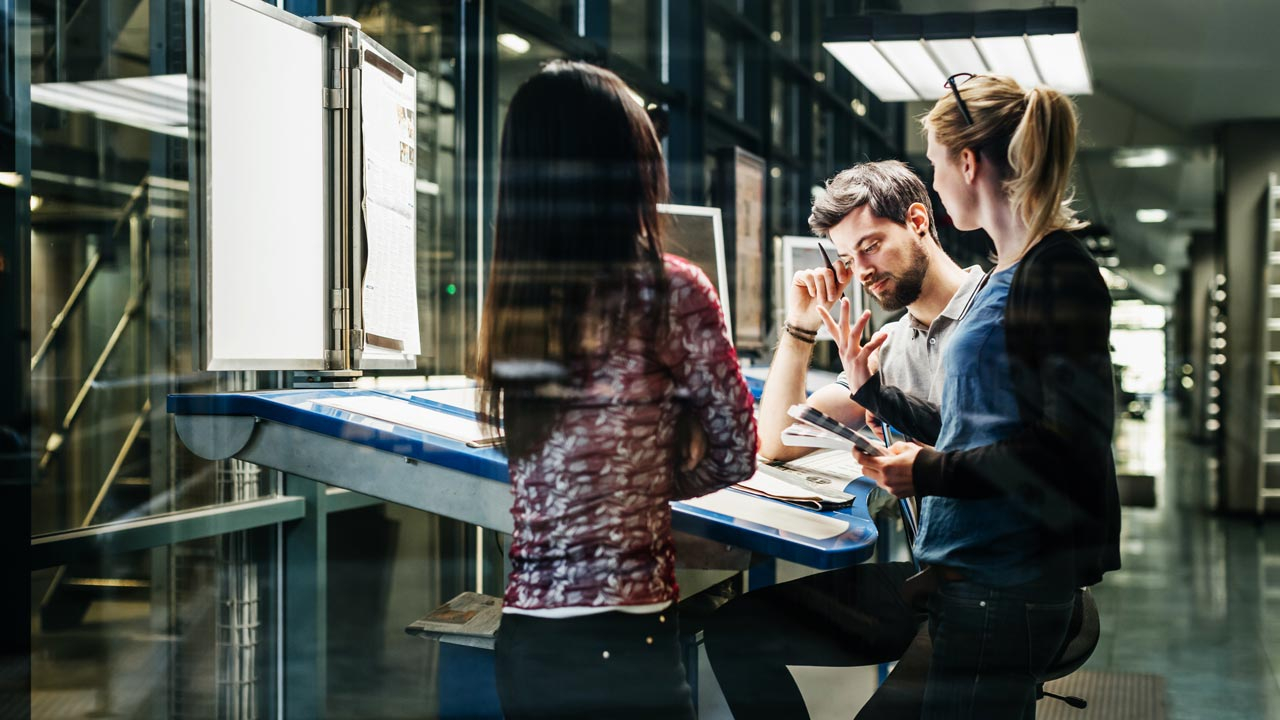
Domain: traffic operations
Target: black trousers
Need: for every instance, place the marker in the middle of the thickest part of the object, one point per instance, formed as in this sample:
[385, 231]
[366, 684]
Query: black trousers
[611, 665]
[853, 616]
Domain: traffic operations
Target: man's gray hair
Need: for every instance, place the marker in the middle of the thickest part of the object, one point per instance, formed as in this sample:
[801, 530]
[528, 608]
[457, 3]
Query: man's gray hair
[888, 187]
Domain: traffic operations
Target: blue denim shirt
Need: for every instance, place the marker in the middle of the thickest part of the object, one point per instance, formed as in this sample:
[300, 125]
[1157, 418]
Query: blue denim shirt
[992, 540]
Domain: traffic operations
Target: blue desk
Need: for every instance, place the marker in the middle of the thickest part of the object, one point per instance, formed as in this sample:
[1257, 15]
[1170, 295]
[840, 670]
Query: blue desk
[288, 430]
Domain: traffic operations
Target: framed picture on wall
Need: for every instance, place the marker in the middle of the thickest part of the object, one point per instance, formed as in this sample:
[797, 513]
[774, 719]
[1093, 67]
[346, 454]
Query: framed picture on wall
[741, 186]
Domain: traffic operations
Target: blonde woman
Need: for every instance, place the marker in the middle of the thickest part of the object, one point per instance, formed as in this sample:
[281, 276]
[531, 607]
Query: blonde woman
[1014, 469]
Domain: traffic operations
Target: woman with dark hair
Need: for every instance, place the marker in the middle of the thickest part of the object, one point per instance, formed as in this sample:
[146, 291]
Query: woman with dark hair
[1018, 493]
[595, 349]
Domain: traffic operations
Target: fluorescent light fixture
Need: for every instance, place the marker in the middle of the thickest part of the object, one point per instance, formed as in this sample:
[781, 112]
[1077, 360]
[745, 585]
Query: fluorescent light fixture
[914, 64]
[11, 179]
[957, 56]
[1010, 56]
[157, 103]
[1152, 215]
[907, 57]
[514, 43]
[1142, 157]
[1060, 61]
[873, 70]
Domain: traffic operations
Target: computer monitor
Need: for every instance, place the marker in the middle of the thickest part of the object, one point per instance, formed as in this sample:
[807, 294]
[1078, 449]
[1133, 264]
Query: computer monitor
[801, 253]
[697, 235]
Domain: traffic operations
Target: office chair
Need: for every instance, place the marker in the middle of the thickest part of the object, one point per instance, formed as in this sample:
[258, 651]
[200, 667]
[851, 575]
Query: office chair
[1082, 633]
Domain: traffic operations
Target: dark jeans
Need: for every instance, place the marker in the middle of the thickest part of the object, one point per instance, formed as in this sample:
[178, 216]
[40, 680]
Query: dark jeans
[847, 617]
[989, 646]
[611, 665]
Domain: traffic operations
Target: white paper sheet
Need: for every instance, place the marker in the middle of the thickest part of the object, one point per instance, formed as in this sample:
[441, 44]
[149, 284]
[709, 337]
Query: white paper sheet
[389, 127]
[834, 462]
[771, 514]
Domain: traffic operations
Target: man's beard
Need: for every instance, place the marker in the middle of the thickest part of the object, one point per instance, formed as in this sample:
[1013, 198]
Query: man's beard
[907, 286]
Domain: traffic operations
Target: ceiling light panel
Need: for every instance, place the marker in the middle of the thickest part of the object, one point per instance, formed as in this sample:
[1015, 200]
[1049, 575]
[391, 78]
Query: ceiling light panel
[906, 57]
[1149, 157]
[1060, 60]
[158, 103]
[872, 70]
[957, 56]
[1010, 56]
[915, 65]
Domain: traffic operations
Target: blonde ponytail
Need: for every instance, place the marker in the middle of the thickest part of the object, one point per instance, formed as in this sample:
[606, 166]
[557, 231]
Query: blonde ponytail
[1030, 136]
[1041, 153]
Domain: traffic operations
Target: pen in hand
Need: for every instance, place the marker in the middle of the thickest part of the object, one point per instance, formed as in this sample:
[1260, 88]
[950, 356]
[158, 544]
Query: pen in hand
[827, 259]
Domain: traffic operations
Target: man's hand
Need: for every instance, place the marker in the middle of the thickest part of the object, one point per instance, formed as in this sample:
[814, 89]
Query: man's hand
[813, 289]
[893, 471]
[854, 356]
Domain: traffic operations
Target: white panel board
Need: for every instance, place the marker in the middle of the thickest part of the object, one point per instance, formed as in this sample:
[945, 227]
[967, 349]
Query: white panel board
[696, 234]
[266, 141]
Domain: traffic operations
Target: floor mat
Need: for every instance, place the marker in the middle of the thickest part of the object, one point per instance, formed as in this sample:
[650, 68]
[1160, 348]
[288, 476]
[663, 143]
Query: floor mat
[1111, 695]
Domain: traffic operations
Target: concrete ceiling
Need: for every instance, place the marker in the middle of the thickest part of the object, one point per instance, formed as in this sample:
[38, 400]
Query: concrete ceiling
[1166, 73]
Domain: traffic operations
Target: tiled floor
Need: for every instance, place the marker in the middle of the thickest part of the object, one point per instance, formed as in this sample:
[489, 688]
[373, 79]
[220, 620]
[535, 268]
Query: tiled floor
[1198, 598]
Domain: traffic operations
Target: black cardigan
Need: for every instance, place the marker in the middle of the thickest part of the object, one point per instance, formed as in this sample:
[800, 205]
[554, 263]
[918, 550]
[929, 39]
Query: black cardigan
[1059, 464]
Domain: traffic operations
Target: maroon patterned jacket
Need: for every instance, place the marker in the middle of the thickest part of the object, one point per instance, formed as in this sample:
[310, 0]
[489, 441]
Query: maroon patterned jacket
[592, 519]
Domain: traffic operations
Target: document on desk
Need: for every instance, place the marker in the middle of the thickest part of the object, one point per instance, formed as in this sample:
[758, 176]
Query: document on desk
[770, 514]
[404, 413]
[814, 489]
[835, 464]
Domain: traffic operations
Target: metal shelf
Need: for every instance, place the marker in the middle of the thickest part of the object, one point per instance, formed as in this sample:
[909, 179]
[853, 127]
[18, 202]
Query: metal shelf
[1271, 324]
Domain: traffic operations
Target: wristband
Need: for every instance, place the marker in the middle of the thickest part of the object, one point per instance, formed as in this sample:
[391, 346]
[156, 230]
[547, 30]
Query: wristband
[793, 332]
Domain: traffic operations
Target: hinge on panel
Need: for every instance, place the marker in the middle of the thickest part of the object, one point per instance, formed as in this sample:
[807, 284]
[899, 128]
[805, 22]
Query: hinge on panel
[340, 298]
[353, 57]
[334, 98]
